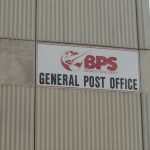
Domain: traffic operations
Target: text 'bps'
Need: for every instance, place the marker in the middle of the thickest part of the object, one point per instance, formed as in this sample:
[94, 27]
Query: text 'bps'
[97, 62]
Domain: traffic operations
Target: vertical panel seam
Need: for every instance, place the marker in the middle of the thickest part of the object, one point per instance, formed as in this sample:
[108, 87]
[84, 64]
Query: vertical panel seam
[138, 46]
[35, 32]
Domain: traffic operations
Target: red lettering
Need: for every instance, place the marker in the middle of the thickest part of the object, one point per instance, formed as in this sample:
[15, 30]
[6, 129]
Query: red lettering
[89, 62]
[100, 61]
[97, 62]
[112, 65]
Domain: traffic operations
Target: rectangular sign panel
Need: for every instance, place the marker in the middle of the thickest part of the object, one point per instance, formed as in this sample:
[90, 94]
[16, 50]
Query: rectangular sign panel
[87, 67]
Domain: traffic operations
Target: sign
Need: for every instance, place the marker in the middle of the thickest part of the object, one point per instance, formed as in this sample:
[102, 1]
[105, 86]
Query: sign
[87, 67]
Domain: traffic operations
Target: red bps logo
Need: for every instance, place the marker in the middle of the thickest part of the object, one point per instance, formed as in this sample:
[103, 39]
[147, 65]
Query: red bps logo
[72, 61]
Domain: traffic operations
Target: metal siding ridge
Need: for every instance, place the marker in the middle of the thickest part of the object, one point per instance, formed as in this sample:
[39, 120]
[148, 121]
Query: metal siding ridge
[87, 120]
[146, 119]
[143, 7]
[16, 119]
[105, 23]
[17, 19]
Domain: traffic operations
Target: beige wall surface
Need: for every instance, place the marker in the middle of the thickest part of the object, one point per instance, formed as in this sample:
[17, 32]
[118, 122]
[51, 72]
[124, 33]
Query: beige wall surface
[71, 119]
[16, 118]
[17, 19]
[17, 94]
[17, 62]
[145, 70]
[68, 119]
[145, 74]
[95, 22]
[146, 119]
[143, 11]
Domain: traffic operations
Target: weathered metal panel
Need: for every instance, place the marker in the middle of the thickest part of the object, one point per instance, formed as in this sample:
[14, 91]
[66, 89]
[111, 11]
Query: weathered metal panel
[143, 11]
[17, 19]
[145, 71]
[96, 22]
[145, 75]
[16, 118]
[146, 119]
[17, 62]
[69, 119]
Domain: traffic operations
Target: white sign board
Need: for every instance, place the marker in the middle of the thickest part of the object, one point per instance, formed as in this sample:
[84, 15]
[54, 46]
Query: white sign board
[87, 67]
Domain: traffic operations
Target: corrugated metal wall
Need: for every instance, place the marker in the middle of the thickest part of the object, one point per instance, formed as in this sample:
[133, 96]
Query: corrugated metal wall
[17, 19]
[145, 71]
[99, 22]
[96, 22]
[144, 23]
[69, 119]
[146, 120]
[16, 118]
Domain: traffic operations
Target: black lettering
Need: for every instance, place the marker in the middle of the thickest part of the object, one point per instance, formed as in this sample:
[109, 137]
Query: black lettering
[112, 83]
[121, 83]
[71, 82]
[126, 84]
[129, 84]
[135, 84]
[59, 79]
[91, 83]
[65, 79]
[53, 79]
[85, 80]
[97, 84]
[117, 83]
[76, 80]
[41, 78]
[47, 78]
[103, 78]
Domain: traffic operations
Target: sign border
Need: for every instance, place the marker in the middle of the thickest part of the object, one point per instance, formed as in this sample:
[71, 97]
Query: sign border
[88, 46]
